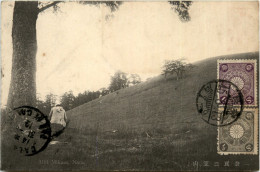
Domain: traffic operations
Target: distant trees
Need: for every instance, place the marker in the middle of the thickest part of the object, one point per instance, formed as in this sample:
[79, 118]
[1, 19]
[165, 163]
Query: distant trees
[178, 67]
[122, 80]
[22, 89]
[45, 106]
[51, 99]
[118, 80]
[134, 79]
[40, 104]
[103, 91]
[85, 97]
[69, 101]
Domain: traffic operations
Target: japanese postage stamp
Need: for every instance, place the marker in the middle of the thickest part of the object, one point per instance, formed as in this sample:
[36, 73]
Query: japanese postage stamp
[129, 85]
[243, 74]
[241, 136]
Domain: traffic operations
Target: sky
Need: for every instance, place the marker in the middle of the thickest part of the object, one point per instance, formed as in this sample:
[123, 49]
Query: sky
[79, 50]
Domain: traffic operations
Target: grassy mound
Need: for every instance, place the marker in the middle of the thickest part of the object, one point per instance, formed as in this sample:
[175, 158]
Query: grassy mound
[150, 126]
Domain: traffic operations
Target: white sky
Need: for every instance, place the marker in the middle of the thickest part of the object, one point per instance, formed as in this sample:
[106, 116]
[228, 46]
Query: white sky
[78, 50]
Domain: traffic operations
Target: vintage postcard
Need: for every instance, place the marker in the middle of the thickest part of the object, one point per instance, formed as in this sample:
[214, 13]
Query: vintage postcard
[129, 86]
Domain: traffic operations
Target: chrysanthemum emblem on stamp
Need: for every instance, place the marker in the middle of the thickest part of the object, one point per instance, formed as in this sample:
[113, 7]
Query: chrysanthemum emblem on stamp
[241, 137]
[243, 74]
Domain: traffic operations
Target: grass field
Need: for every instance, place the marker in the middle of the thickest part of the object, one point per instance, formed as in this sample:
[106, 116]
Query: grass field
[150, 126]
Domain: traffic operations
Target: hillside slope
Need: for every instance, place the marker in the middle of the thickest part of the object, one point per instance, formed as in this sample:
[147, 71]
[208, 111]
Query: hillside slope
[150, 126]
[158, 103]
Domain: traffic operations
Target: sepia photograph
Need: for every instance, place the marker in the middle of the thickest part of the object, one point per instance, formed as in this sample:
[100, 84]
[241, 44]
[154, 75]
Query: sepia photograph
[129, 85]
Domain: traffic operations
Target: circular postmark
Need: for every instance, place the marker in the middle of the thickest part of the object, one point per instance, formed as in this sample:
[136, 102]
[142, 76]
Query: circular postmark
[219, 102]
[31, 130]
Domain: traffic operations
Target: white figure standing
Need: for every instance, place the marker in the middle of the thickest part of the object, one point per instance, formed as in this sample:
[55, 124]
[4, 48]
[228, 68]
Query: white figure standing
[58, 120]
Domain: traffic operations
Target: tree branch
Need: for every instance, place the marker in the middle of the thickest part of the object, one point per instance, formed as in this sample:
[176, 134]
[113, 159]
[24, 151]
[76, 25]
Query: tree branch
[48, 6]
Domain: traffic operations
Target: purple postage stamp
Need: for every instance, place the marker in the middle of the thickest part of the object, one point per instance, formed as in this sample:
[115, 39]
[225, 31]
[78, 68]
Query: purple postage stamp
[240, 137]
[242, 73]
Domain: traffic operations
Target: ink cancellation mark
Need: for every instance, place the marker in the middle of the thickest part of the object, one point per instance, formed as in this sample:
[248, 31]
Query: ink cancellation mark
[219, 102]
[241, 137]
[31, 132]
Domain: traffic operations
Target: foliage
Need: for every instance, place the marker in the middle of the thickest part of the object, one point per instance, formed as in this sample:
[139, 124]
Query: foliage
[67, 100]
[45, 106]
[182, 9]
[103, 91]
[134, 79]
[122, 80]
[85, 97]
[118, 81]
[179, 67]
[25, 44]
[113, 5]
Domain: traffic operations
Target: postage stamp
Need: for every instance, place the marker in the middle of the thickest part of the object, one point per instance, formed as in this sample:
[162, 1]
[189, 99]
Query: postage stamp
[240, 137]
[242, 73]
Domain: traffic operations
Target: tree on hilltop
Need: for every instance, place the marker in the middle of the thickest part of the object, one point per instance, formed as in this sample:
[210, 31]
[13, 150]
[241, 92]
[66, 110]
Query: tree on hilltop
[118, 81]
[178, 67]
[134, 79]
[22, 89]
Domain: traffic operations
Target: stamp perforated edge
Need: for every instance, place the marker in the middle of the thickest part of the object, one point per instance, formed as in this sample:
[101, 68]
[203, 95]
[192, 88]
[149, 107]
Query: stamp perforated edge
[256, 146]
[255, 74]
[250, 107]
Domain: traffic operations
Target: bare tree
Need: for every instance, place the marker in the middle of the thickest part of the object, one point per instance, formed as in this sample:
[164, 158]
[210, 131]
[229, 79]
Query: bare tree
[179, 67]
[23, 77]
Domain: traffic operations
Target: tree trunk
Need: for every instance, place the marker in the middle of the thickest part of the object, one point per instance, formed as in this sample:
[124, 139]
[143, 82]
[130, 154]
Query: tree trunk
[23, 78]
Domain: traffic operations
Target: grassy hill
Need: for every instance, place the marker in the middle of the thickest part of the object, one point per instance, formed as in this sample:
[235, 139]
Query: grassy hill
[150, 126]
